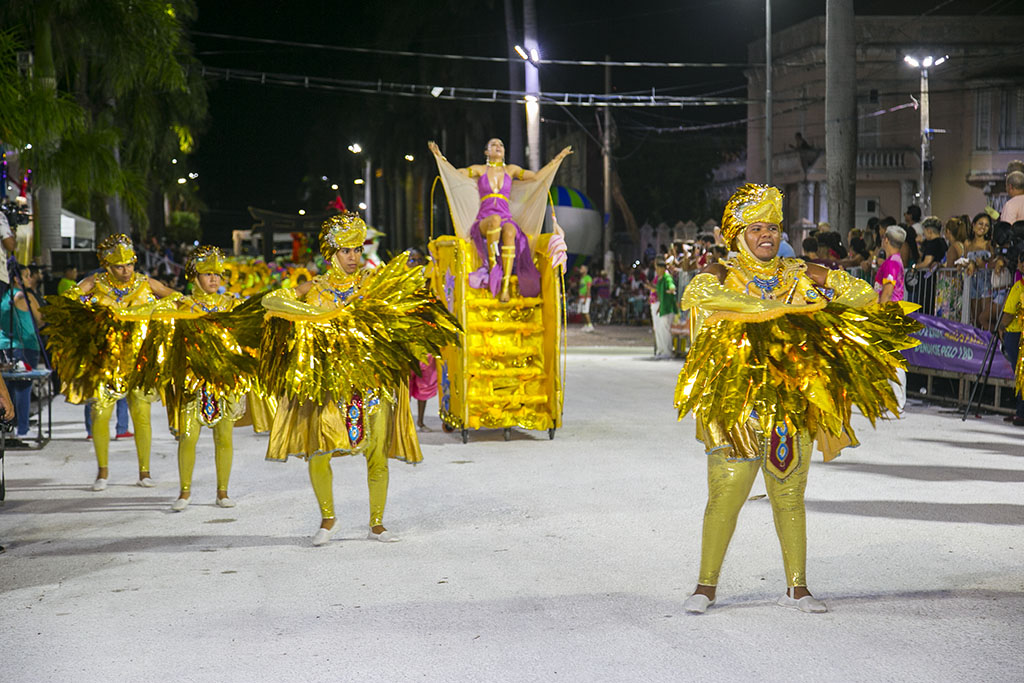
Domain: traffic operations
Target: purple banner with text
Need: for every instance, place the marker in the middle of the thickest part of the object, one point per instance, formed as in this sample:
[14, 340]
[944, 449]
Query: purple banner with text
[954, 347]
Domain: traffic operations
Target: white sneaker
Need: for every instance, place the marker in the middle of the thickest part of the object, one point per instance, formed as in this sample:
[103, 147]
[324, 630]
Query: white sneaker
[146, 483]
[808, 604]
[698, 603]
[99, 485]
[384, 537]
[225, 503]
[323, 535]
[180, 504]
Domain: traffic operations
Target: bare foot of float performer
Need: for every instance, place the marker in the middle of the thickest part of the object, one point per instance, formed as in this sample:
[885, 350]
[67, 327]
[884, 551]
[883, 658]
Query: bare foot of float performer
[95, 331]
[782, 351]
[334, 350]
[200, 355]
[501, 191]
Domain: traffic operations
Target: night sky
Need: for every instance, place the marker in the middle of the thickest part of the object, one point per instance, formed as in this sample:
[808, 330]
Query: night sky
[263, 145]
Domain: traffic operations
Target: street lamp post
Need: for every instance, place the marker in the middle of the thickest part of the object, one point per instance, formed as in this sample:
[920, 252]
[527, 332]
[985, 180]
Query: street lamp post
[925, 63]
[768, 104]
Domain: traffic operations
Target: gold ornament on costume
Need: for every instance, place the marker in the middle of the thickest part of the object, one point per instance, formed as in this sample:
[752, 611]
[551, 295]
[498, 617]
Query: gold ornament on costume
[116, 250]
[205, 259]
[341, 231]
[751, 203]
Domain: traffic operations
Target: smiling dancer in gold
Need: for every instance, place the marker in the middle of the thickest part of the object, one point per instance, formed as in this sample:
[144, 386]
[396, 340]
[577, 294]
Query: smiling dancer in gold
[94, 336]
[333, 350]
[782, 350]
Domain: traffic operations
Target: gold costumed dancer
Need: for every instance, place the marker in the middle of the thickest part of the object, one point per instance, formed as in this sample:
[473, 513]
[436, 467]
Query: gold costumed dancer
[782, 351]
[95, 330]
[202, 359]
[334, 350]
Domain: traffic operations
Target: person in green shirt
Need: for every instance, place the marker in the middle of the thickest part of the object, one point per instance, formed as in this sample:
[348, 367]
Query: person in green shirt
[69, 280]
[584, 298]
[663, 308]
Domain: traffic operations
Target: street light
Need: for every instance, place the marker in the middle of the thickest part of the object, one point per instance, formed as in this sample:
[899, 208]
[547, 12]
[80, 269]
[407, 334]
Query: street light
[410, 158]
[924, 63]
[531, 58]
[367, 206]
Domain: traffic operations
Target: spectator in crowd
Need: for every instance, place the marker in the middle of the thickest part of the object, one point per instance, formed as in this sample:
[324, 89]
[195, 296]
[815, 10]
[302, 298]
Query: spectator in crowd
[69, 280]
[586, 282]
[834, 242]
[1002, 275]
[912, 217]
[1009, 331]
[785, 248]
[20, 318]
[810, 248]
[663, 308]
[858, 254]
[1013, 209]
[955, 233]
[817, 252]
[909, 252]
[7, 245]
[978, 252]
[933, 250]
[889, 285]
[872, 234]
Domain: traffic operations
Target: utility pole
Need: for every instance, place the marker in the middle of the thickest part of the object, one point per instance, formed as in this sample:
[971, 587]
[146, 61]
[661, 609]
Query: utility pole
[768, 102]
[840, 114]
[606, 145]
[532, 83]
[515, 83]
[926, 148]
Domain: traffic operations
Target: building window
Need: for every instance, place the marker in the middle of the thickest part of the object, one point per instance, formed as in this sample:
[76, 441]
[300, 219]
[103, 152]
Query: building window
[1011, 123]
[868, 126]
[983, 121]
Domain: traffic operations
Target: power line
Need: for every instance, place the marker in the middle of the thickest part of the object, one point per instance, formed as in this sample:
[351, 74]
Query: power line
[475, 58]
[467, 94]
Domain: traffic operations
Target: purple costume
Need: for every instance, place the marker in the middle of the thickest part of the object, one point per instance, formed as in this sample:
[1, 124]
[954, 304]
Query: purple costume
[497, 204]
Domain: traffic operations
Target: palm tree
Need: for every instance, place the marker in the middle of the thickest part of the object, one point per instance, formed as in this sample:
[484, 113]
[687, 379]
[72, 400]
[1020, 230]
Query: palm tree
[128, 66]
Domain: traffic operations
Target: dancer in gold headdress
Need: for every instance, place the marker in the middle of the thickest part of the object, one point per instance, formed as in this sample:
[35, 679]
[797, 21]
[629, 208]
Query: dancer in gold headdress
[202, 360]
[95, 331]
[782, 350]
[333, 350]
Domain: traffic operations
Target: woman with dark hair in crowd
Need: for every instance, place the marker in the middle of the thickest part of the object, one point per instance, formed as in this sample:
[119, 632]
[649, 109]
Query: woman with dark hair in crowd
[978, 252]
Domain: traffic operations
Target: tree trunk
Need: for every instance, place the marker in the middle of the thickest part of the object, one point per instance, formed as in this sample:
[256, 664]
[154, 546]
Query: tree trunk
[46, 198]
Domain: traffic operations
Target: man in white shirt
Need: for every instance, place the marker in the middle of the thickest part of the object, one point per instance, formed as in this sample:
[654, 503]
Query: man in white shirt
[1013, 209]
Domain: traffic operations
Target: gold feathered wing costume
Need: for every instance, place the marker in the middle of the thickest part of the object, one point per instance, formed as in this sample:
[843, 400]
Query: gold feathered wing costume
[93, 347]
[805, 366]
[187, 350]
[312, 356]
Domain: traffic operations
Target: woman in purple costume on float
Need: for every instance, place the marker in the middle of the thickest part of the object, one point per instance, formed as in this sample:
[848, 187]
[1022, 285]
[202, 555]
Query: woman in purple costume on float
[494, 220]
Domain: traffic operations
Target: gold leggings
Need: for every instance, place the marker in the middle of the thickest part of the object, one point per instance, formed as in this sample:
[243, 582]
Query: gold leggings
[376, 480]
[729, 485]
[189, 425]
[138, 408]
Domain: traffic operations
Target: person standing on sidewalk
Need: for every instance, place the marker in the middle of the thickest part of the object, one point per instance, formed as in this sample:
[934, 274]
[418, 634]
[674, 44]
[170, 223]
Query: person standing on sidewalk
[663, 308]
[586, 284]
[889, 285]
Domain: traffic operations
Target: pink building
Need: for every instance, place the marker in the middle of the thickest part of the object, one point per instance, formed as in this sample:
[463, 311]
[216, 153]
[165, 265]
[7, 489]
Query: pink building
[977, 98]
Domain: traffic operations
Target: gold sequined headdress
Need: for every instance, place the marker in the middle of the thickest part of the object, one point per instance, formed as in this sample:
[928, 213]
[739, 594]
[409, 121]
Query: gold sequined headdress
[751, 203]
[205, 259]
[344, 230]
[116, 250]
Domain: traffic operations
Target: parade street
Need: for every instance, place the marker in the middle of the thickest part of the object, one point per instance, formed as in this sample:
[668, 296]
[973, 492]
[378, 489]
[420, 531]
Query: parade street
[529, 560]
